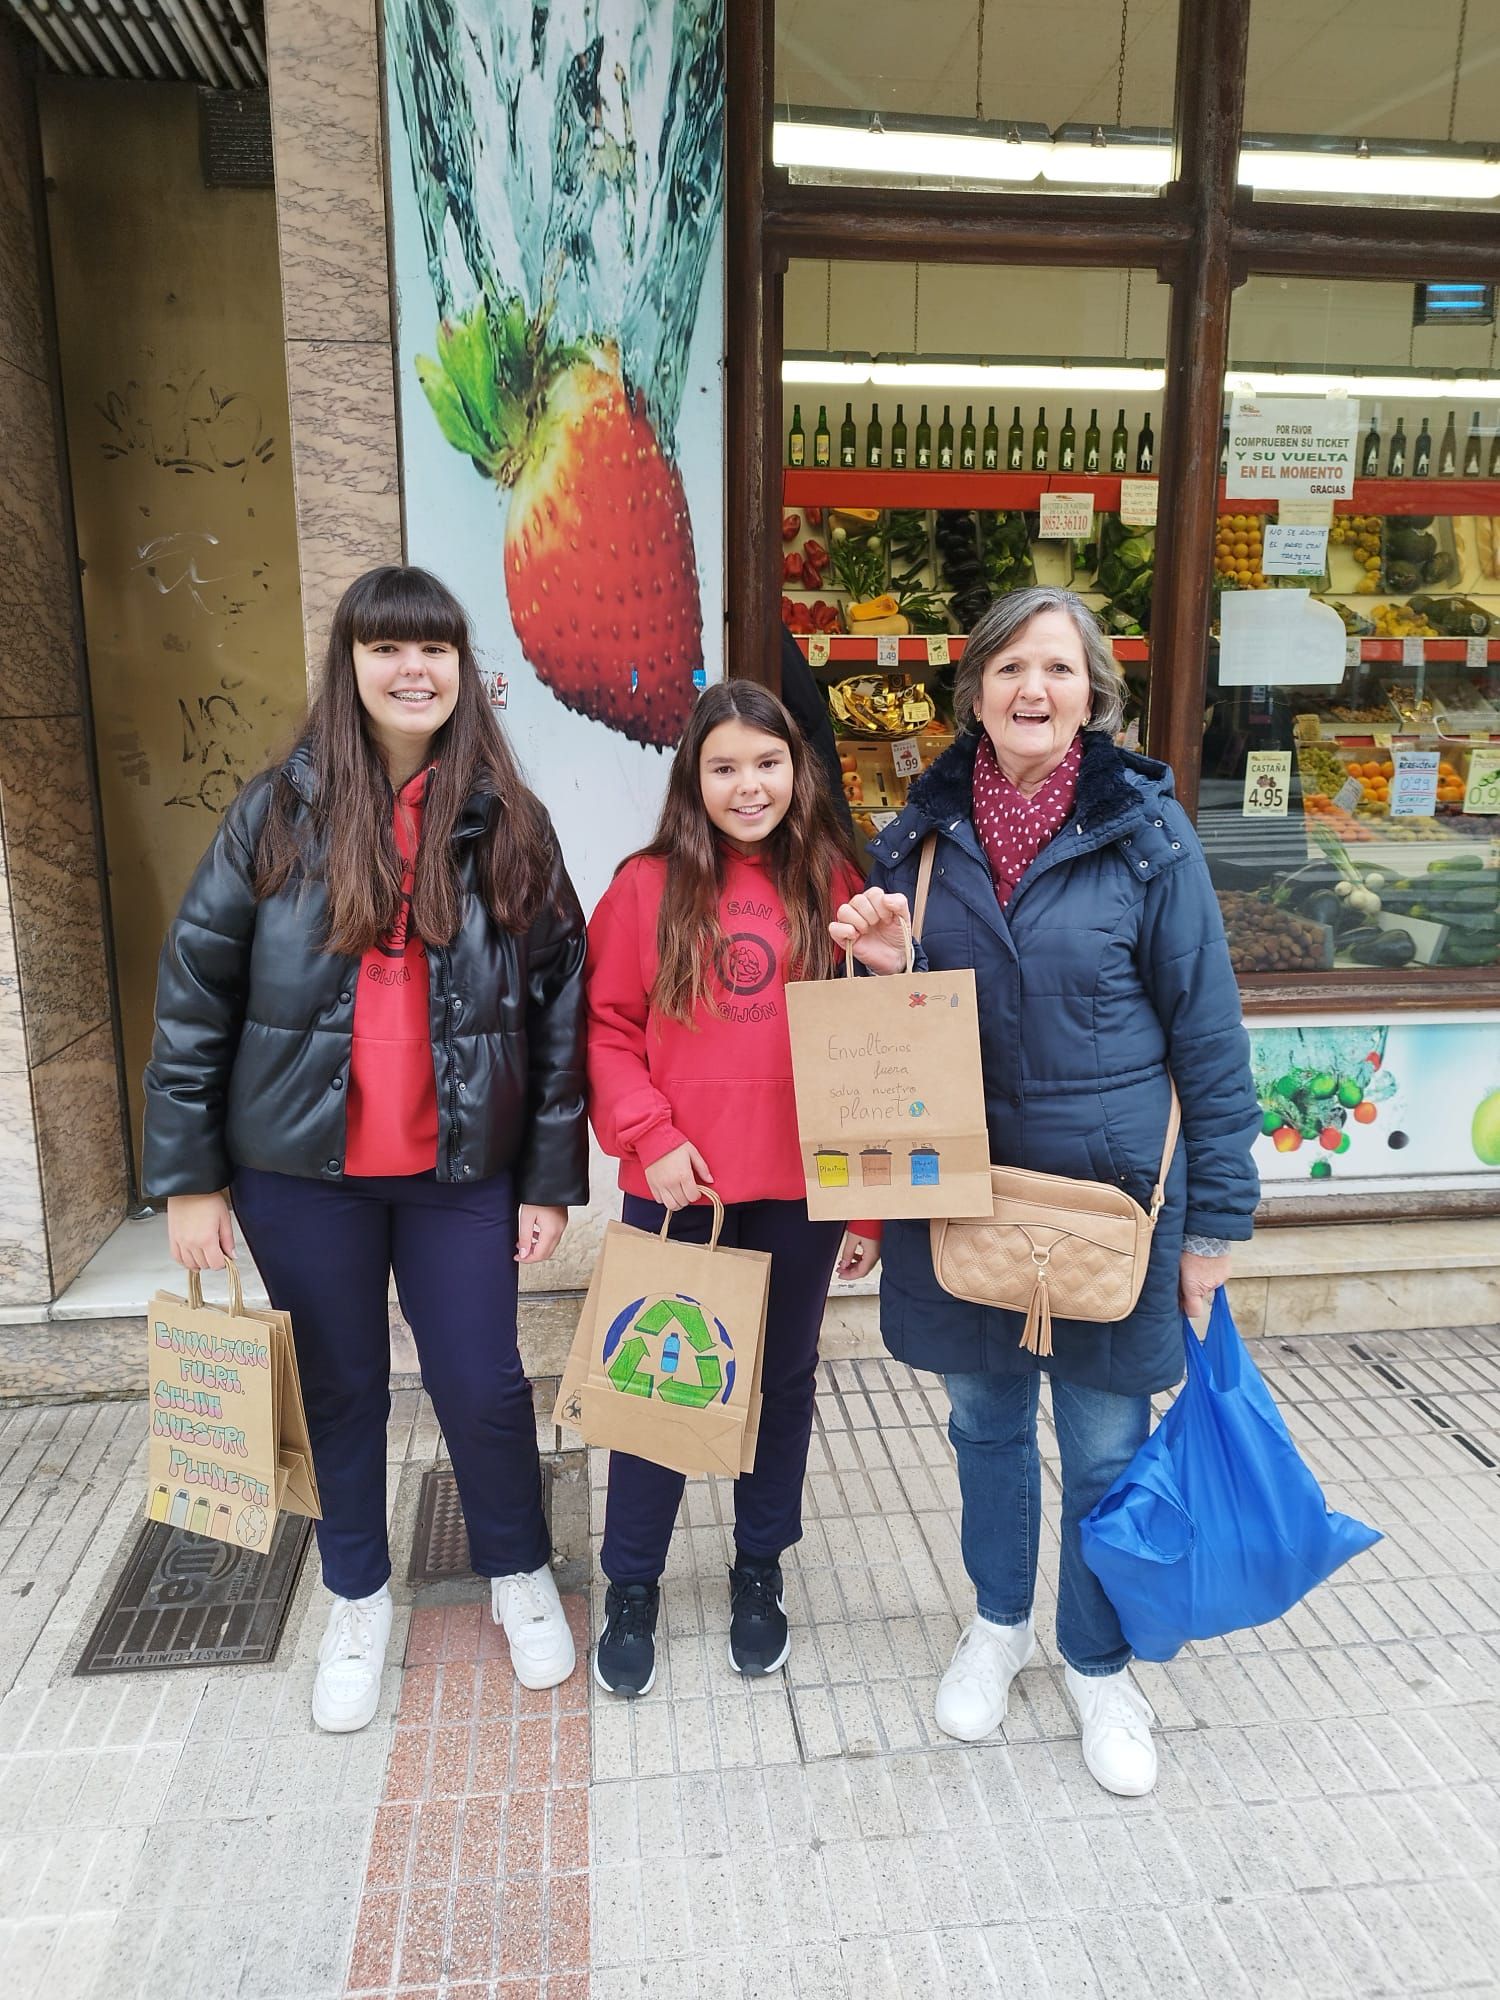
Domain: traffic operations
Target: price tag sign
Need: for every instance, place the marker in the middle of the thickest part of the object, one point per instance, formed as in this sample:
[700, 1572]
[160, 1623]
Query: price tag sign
[907, 758]
[1289, 550]
[1348, 795]
[1482, 791]
[1268, 784]
[939, 652]
[1413, 653]
[1066, 517]
[1138, 503]
[1382, 739]
[1303, 511]
[881, 820]
[1414, 785]
[887, 649]
[1476, 654]
[819, 647]
[1352, 655]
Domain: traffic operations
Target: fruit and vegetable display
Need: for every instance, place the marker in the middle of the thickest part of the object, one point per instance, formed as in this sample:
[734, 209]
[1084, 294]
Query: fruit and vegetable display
[1238, 552]
[1127, 569]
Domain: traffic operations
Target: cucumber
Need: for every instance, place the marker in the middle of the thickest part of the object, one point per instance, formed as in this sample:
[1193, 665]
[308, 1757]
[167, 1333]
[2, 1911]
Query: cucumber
[1453, 864]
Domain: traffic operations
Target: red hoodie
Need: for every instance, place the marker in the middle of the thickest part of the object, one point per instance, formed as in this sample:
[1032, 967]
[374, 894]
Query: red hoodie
[393, 1115]
[725, 1083]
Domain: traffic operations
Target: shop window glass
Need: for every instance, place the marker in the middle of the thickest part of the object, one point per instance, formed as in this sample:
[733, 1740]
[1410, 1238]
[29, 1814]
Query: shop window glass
[1076, 95]
[926, 412]
[1383, 103]
[1350, 798]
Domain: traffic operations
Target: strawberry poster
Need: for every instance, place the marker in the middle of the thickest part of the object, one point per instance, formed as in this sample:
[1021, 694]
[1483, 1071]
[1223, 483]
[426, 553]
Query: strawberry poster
[557, 217]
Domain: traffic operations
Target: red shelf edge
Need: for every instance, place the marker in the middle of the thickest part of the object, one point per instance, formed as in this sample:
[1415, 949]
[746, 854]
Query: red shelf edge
[854, 646]
[806, 487]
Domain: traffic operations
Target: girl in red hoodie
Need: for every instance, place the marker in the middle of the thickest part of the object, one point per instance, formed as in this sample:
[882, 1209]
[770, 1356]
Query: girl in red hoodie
[690, 1086]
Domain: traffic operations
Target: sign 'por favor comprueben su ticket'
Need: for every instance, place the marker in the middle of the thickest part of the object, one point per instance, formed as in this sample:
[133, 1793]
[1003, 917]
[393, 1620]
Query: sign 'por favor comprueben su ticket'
[890, 1096]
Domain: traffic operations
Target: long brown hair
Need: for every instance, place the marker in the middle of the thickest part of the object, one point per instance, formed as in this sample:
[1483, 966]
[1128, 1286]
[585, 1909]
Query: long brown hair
[347, 838]
[803, 853]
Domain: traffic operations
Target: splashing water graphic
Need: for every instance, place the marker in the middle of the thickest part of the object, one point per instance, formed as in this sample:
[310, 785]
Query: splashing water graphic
[570, 155]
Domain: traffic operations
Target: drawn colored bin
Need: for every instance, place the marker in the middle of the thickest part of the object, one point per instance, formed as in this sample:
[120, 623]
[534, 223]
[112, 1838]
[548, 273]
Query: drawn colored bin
[924, 1166]
[833, 1167]
[875, 1166]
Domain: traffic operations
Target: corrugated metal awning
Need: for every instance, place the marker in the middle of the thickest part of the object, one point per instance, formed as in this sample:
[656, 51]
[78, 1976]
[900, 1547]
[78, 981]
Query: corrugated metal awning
[220, 43]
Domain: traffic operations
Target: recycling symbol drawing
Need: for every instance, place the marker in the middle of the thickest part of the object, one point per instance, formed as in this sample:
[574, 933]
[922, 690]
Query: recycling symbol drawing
[672, 1348]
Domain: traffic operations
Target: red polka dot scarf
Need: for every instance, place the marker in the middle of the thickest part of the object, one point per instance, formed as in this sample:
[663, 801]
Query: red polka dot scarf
[1013, 829]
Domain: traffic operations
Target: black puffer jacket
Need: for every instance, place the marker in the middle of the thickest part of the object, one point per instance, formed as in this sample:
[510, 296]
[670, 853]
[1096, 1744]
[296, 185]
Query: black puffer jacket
[254, 1026]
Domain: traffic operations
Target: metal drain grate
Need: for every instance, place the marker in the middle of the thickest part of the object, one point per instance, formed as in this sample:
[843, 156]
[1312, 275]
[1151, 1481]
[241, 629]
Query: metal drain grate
[186, 1601]
[440, 1546]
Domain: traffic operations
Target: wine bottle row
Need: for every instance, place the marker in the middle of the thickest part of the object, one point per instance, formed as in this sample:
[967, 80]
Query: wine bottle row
[969, 449]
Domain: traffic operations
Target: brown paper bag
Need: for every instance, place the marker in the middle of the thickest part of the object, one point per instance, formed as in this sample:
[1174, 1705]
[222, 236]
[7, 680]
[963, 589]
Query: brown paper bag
[890, 1095]
[229, 1447]
[666, 1359]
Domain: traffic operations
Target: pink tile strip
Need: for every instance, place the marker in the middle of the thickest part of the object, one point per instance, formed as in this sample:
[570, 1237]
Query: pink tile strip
[477, 1880]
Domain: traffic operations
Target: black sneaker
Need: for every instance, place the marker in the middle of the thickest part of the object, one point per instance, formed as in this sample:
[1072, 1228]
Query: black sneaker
[758, 1637]
[625, 1657]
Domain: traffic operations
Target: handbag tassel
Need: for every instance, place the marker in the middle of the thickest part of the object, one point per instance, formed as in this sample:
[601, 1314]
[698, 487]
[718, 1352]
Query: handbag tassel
[1036, 1335]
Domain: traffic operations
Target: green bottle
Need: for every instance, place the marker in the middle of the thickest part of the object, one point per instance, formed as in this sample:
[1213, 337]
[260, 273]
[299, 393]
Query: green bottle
[796, 443]
[1067, 443]
[848, 438]
[1396, 463]
[1039, 442]
[1091, 443]
[1119, 447]
[990, 446]
[945, 442]
[1421, 453]
[968, 455]
[898, 442]
[1473, 451]
[924, 442]
[875, 440]
[1145, 447]
[1015, 444]
[822, 441]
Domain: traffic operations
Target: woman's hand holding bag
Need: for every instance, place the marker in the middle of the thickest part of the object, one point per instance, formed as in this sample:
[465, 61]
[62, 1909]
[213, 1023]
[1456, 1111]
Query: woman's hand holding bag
[875, 926]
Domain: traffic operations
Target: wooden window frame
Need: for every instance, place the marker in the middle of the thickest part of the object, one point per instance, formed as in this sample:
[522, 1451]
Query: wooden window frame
[1201, 234]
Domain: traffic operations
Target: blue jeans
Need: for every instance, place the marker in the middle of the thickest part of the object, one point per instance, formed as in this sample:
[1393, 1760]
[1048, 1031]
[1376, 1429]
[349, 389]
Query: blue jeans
[992, 1427]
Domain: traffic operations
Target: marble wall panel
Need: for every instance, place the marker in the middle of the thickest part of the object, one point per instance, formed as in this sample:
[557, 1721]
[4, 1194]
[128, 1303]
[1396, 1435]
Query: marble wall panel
[51, 858]
[24, 1276]
[12, 1020]
[33, 550]
[77, 1097]
[343, 404]
[22, 341]
[39, 660]
[324, 60]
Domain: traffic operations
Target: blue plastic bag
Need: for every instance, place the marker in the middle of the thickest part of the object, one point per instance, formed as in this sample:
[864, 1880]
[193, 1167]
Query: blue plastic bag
[1216, 1523]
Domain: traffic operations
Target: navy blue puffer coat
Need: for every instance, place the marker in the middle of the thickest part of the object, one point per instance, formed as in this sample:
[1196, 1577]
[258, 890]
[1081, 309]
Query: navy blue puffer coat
[1108, 965]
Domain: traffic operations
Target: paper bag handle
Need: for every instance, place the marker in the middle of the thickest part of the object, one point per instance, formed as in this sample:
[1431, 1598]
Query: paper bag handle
[911, 956]
[713, 1241]
[236, 1291]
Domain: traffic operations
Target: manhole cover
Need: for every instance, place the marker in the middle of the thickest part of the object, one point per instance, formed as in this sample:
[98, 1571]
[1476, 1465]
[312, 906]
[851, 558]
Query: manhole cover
[187, 1601]
[440, 1547]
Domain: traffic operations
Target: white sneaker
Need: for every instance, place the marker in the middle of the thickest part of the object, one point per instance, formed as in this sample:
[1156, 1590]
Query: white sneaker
[346, 1692]
[1116, 1719]
[972, 1695]
[529, 1608]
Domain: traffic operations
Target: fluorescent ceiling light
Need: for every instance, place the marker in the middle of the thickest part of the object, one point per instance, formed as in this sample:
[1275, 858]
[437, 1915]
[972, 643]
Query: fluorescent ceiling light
[939, 155]
[1126, 379]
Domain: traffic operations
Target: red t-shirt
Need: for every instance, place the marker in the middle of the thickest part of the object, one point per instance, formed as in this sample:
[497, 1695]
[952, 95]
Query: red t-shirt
[393, 1116]
[725, 1082]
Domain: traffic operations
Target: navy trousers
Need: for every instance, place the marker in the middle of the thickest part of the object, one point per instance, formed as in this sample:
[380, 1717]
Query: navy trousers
[644, 1498]
[326, 1252]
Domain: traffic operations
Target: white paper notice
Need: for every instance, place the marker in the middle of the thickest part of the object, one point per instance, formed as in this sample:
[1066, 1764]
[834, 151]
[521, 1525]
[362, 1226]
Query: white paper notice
[1348, 795]
[1291, 444]
[1414, 785]
[1279, 638]
[1302, 510]
[1138, 503]
[1476, 654]
[1268, 784]
[887, 649]
[1413, 652]
[1288, 550]
[1066, 517]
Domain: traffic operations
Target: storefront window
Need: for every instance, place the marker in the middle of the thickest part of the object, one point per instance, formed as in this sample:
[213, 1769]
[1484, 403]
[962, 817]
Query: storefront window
[1383, 104]
[1350, 797]
[954, 94]
[932, 417]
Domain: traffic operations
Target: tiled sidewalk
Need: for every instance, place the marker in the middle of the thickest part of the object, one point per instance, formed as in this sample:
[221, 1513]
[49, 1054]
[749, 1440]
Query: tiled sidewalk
[1327, 1821]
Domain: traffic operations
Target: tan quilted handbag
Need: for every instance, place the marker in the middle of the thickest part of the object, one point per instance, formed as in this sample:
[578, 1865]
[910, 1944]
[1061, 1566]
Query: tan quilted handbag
[1052, 1245]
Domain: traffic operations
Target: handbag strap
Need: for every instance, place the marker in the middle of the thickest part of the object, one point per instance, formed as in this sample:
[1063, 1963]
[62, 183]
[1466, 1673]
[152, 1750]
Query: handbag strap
[924, 883]
[1174, 1116]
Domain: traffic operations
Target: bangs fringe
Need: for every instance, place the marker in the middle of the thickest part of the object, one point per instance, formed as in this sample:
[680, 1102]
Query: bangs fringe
[406, 605]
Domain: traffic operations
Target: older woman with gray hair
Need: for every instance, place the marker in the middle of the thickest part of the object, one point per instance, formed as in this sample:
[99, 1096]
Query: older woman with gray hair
[1068, 877]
